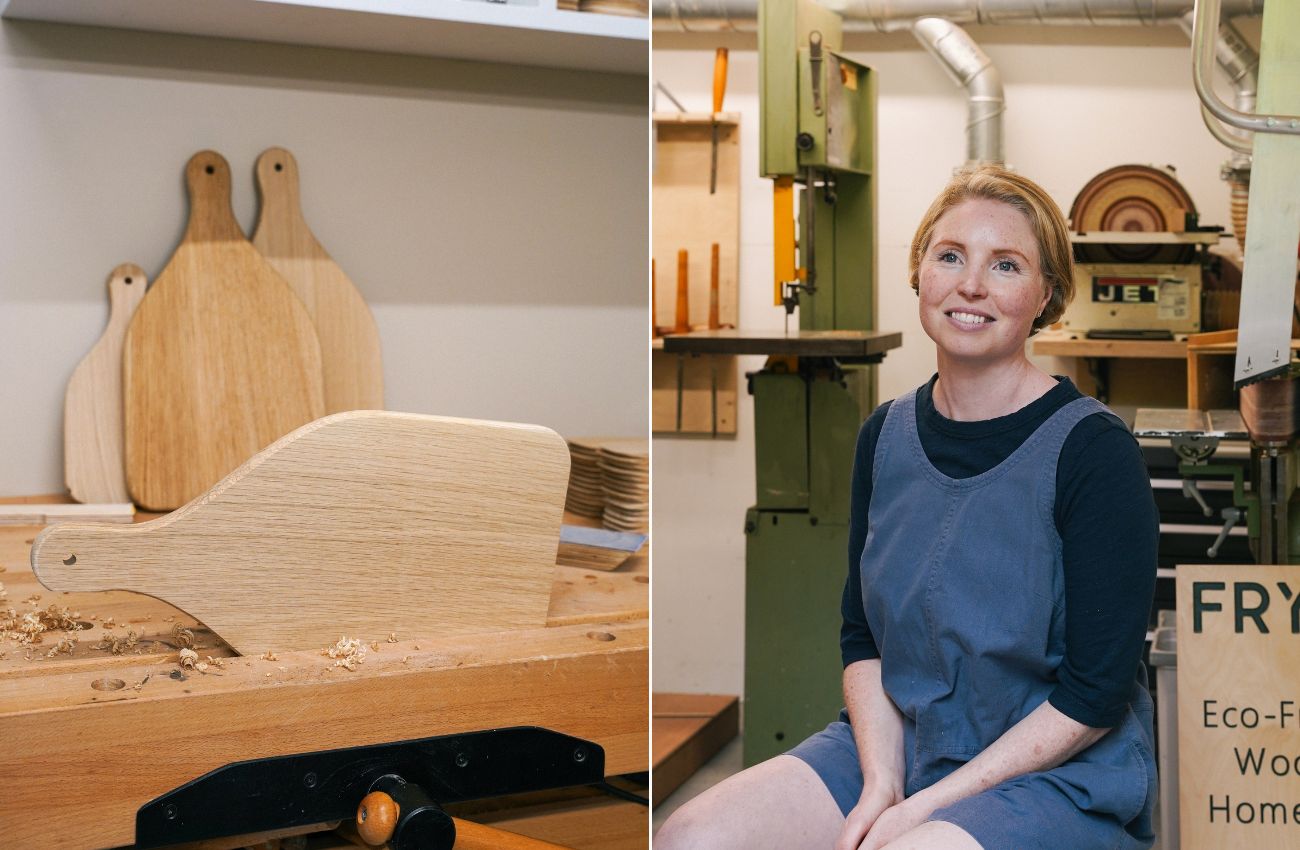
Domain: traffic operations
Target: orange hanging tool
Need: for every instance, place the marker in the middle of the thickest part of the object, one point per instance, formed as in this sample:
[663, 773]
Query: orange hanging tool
[682, 320]
[713, 290]
[719, 91]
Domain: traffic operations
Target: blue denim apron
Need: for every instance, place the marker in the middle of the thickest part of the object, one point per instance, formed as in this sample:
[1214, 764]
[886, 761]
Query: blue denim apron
[963, 588]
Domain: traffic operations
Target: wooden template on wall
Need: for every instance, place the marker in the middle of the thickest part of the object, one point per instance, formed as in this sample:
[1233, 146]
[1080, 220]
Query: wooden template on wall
[695, 394]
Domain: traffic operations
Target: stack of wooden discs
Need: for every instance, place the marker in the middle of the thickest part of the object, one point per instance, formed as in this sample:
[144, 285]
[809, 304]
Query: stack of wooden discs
[610, 480]
[585, 497]
[625, 479]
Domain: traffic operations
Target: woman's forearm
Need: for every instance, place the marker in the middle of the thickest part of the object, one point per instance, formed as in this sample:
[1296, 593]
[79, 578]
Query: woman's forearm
[1044, 739]
[877, 728]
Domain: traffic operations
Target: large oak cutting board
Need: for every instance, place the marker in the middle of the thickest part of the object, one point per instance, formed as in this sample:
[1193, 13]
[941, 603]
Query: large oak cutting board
[92, 405]
[361, 524]
[349, 339]
[221, 357]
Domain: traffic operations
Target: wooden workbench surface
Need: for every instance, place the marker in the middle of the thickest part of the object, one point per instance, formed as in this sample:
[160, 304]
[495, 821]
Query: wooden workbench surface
[96, 734]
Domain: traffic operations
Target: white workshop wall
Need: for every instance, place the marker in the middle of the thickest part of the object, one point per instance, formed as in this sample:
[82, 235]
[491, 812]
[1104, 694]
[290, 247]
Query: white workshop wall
[1078, 101]
[492, 216]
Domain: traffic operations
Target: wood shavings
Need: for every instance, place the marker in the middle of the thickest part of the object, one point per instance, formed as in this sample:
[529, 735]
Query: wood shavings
[406, 659]
[216, 662]
[109, 624]
[170, 618]
[33, 599]
[268, 675]
[416, 647]
[64, 646]
[269, 656]
[140, 684]
[55, 618]
[188, 659]
[4, 594]
[182, 636]
[348, 652]
[374, 646]
[392, 637]
[118, 645]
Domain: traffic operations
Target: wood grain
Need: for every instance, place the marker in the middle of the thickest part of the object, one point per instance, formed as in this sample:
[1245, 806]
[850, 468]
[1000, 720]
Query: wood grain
[92, 405]
[582, 818]
[220, 359]
[350, 351]
[88, 759]
[360, 524]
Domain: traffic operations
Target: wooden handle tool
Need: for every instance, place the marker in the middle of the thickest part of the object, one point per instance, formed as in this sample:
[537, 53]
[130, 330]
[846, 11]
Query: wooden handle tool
[360, 525]
[714, 324]
[719, 92]
[682, 317]
[92, 405]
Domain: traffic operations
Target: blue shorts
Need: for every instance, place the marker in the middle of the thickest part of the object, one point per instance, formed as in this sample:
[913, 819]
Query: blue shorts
[1025, 813]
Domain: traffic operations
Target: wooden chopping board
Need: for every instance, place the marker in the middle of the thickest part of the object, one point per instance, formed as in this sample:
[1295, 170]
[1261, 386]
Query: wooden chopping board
[92, 405]
[361, 524]
[221, 357]
[350, 351]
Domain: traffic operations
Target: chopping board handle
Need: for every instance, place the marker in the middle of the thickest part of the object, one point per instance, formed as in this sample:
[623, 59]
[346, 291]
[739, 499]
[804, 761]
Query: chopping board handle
[277, 187]
[126, 286]
[83, 557]
[207, 176]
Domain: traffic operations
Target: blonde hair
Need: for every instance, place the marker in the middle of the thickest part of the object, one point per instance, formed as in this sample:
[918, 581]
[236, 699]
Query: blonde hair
[994, 183]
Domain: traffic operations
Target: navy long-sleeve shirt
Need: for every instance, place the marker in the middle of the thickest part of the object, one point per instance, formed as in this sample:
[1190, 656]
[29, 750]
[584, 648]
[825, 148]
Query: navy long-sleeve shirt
[1105, 514]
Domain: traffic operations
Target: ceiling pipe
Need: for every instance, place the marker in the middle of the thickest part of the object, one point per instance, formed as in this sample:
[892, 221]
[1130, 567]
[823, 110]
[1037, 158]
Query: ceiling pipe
[971, 68]
[895, 15]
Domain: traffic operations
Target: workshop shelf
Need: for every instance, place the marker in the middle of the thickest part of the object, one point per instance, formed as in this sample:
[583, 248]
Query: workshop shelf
[517, 32]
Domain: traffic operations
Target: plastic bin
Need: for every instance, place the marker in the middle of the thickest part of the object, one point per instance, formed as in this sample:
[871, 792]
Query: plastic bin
[1164, 657]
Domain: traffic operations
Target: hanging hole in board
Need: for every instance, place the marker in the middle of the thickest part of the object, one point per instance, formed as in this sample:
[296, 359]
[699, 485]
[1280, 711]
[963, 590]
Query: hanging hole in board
[279, 167]
[70, 560]
[127, 281]
[210, 170]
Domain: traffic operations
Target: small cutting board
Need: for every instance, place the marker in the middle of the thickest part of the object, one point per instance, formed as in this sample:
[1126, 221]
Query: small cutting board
[92, 405]
[358, 525]
[220, 360]
[349, 340]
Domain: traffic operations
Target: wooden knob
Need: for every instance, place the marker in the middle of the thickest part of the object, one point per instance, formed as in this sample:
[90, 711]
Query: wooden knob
[377, 817]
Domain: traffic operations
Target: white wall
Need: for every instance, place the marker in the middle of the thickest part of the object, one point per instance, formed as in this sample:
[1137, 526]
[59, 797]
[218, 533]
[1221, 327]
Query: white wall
[492, 216]
[1078, 101]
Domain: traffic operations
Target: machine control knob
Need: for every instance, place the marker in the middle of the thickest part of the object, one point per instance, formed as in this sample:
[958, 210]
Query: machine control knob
[804, 141]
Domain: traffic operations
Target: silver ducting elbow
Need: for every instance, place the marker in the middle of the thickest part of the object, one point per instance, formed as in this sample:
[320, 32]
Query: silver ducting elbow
[1239, 61]
[971, 68]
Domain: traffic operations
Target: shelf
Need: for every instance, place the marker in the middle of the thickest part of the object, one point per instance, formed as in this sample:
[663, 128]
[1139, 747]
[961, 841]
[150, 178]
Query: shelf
[845, 345]
[517, 32]
[1065, 344]
[1121, 237]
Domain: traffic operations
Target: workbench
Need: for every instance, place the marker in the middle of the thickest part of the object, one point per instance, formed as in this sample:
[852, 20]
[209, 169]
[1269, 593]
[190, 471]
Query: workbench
[90, 736]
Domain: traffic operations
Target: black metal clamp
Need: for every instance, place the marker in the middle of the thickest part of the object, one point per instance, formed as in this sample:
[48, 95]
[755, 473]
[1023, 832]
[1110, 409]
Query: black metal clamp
[311, 788]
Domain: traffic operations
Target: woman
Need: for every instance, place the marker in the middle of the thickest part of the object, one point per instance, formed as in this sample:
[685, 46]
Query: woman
[1002, 565]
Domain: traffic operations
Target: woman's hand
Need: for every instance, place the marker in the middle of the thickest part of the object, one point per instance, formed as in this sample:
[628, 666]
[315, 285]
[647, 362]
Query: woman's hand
[864, 816]
[894, 822]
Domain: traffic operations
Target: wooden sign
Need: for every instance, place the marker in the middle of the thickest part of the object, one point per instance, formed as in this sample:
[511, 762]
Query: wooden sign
[1239, 706]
